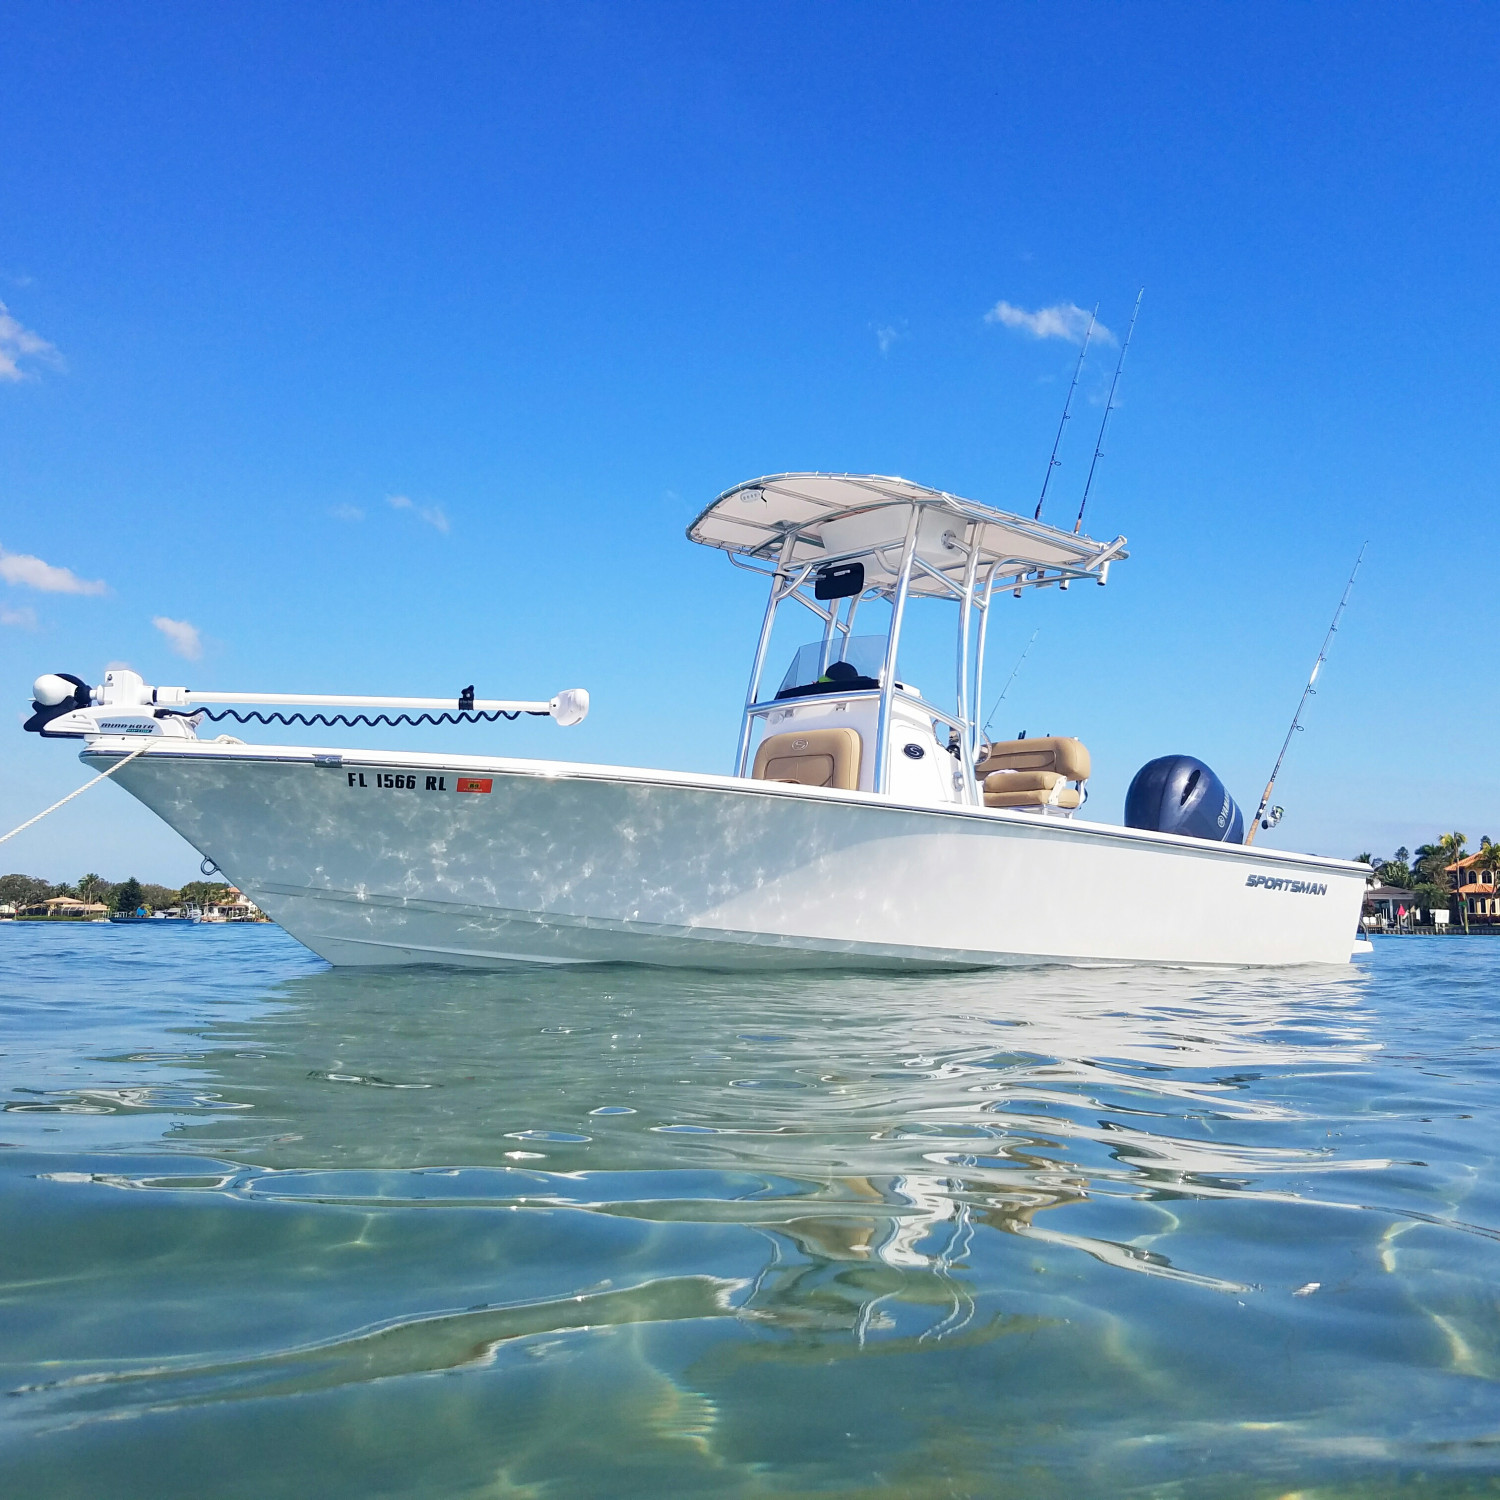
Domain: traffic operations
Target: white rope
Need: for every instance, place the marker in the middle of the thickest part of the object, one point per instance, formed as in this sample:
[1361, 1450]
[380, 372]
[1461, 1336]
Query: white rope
[71, 795]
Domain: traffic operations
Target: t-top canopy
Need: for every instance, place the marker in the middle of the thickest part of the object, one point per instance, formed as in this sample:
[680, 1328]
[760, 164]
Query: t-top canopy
[833, 516]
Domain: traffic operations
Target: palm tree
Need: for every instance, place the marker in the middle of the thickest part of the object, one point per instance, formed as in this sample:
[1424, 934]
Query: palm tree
[1489, 859]
[1427, 866]
[1453, 846]
[90, 885]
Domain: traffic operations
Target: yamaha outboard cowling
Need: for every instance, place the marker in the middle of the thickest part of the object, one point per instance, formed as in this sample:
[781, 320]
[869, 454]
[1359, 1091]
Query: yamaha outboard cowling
[1178, 794]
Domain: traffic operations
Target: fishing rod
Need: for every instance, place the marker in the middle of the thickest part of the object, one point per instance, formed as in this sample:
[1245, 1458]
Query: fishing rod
[1109, 406]
[1013, 671]
[1307, 692]
[1067, 408]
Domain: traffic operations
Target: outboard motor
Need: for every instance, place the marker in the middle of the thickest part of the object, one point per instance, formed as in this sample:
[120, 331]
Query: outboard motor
[1178, 794]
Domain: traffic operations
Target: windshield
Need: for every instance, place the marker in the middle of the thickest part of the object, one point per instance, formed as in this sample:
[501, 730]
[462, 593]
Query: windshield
[852, 664]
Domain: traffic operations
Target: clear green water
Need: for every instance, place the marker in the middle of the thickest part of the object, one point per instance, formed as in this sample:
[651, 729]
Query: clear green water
[268, 1229]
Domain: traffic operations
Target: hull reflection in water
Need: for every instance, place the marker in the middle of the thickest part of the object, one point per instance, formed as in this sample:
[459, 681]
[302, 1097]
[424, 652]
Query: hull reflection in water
[669, 1232]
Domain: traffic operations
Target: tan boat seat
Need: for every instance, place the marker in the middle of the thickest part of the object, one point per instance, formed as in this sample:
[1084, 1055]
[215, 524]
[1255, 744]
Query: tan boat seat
[1035, 773]
[815, 757]
[1007, 795]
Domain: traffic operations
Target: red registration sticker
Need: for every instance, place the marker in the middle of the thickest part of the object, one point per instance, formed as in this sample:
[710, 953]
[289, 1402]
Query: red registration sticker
[474, 784]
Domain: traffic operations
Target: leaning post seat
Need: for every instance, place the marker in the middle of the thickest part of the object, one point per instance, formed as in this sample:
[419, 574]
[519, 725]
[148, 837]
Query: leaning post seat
[1035, 773]
[813, 757]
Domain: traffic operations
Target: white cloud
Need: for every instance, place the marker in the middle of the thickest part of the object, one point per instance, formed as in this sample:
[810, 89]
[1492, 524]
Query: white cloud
[22, 619]
[182, 637]
[1063, 320]
[18, 343]
[432, 514]
[885, 337]
[33, 573]
[347, 513]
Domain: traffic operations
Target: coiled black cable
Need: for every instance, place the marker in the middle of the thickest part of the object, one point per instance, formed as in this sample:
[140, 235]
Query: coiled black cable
[366, 721]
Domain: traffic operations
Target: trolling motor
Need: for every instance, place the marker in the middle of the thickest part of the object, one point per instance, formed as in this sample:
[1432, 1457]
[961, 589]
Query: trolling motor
[66, 707]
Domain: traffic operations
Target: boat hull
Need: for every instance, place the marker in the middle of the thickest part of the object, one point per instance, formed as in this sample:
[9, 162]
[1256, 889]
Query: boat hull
[390, 859]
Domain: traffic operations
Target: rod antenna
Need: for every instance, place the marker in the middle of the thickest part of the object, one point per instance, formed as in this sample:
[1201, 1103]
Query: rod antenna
[1109, 406]
[1067, 411]
[1307, 692]
[1013, 671]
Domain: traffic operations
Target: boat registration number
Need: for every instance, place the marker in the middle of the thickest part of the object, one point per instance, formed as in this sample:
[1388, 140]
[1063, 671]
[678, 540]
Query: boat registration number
[401, 781]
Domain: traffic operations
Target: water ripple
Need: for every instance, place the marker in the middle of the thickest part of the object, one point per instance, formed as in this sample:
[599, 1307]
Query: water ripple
[1109, 1231]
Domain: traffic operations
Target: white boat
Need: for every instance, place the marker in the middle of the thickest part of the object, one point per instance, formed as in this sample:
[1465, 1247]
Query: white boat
[863, 824]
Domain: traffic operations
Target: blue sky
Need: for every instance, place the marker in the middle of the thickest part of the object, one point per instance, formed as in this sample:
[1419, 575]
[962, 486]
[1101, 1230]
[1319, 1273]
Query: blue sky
[552, 276]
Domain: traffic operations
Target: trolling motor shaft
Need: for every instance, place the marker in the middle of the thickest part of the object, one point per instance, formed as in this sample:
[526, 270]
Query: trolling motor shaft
[67, 707]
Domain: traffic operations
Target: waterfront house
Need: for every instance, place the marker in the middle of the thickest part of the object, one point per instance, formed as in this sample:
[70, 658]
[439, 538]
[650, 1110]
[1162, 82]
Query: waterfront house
[69, 906]
[1476, 888]
[1389, 906]
[236, 907]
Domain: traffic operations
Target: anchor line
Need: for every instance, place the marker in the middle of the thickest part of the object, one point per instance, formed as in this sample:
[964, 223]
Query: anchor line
[102, 776]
